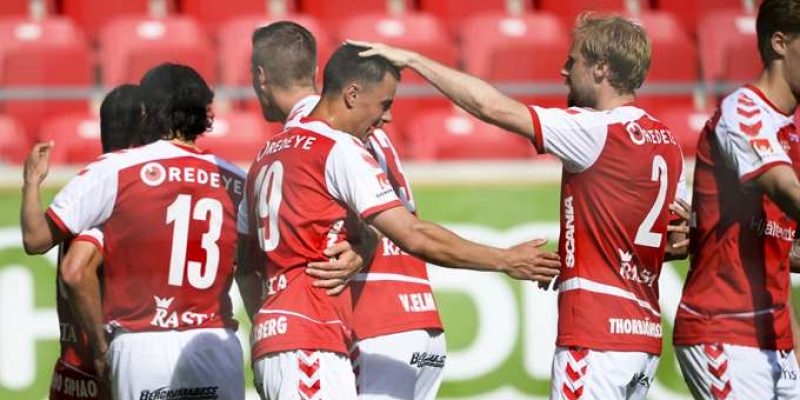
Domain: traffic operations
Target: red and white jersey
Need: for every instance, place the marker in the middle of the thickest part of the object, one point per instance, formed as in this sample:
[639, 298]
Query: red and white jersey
[75, 348]
[622, 169]
[738, 284]
[301, 189]
[168, 214]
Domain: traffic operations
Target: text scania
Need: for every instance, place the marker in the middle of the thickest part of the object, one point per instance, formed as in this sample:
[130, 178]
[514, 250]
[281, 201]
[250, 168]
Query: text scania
[639, 327]
[569, 235]
[271, 327]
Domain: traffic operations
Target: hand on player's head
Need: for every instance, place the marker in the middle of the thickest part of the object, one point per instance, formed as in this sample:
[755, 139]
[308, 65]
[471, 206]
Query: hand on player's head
[399, 57]
[527, 261]
[37, 164]
[335, 274]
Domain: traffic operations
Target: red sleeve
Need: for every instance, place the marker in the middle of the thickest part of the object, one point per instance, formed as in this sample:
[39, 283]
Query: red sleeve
[538, 141]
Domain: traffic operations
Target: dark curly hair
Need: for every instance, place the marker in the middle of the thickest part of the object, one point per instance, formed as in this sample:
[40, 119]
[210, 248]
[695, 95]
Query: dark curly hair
[121, 118]
[177, 103]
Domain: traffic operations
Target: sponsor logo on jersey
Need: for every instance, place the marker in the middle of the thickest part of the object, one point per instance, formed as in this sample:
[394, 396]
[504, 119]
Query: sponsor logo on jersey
[772, 228]
[628, 270]
[640, 136]
[275, 284]
[418, 302]
[80, 388]
[762, 147]
[569, 234]
[391, 249]
[190, 393]
[153, 174]
[425, 359]
[164, 318]
[628, 326]
[271, 327]
[302, 142]
[68, 333]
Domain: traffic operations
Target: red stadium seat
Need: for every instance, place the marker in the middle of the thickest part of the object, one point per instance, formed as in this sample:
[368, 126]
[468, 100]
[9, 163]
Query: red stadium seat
[213, 13]
[129, 46]
[236, 136]
[453, 135]
[235, 47]
[14, 143]
[685, 122]
[23, 7]
[674, 53]
[415, 31]
[92, 15]
[44, 53]
[569, 10]
[77, 138]
[689, 12]
[333, 11]
[500, 47]
[728, 49]
[454, 12]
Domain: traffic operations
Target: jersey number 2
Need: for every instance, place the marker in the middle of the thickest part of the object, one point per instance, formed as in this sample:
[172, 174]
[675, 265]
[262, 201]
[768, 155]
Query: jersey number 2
[644, 235]
[178, 213]
[269, 184]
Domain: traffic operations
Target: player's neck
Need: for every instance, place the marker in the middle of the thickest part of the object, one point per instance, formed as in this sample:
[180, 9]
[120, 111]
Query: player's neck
[330, 112]
[286, 99]
[772, 83]
[185, 143]
[611, 99]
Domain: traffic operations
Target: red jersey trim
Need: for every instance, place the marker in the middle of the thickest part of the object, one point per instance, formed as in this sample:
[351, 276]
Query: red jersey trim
[383, 207]
[92, 240]
[537, 131]
[59, 223]
[755, 174]
[764, 97]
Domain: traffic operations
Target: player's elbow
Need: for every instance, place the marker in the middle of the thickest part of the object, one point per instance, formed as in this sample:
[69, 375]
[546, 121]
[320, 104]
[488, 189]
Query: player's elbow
[34, 245]
[71, 273]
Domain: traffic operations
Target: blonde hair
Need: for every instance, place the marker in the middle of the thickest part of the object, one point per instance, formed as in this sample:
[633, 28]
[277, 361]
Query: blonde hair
[618, 43]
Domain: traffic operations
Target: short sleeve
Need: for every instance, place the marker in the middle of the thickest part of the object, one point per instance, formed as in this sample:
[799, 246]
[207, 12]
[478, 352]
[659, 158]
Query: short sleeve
[87, 200]
[93, 236]
[355, 178]
[574, 135]
[682, 191]
[748, 143]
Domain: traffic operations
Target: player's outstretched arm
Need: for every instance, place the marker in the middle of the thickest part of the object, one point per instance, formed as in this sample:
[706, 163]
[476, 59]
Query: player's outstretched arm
[39, 234]
[781, 185]
[470, 93]
[78, 271]
[438, 245]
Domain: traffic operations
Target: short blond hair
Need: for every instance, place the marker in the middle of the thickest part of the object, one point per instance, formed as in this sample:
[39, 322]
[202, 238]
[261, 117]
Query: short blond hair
[617, 42]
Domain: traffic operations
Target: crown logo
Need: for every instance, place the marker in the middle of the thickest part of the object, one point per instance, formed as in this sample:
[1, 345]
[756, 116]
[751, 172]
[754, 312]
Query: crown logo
[625, 256]
[163, 303]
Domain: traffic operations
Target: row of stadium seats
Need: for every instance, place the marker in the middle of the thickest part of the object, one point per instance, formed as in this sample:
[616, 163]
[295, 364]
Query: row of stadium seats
[93, 14]
[53, 52]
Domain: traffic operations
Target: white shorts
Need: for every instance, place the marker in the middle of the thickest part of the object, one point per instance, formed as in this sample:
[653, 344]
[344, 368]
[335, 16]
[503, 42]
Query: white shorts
[200, 363]
[304, 375]
[727, 371]
[406, 365]
[585, 374]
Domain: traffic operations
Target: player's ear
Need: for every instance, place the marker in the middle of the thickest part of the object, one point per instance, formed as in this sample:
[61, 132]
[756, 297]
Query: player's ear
[259, 78]
[600, 71]
[779, 42]
[351, 93]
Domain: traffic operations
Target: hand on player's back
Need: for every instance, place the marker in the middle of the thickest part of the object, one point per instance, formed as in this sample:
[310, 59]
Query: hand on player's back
[528, 261]
[336, 273]
[399, 57]
[38, 163]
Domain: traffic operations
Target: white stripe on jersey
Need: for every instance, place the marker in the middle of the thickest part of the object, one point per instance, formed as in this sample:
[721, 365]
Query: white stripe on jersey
[597, 287]
[747, 314]
[303, 316]
[376, 276]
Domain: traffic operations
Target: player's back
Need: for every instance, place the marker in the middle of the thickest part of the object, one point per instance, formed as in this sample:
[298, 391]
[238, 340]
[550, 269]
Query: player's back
[614, 215]
[298, 206]
[737, 286]
[169, 232]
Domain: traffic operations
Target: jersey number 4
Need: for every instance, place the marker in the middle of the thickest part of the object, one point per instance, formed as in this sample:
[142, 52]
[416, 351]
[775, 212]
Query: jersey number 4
[644, 235]
[179, 213]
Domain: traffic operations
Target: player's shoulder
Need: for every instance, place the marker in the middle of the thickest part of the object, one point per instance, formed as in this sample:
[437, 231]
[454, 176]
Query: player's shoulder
[747, 110]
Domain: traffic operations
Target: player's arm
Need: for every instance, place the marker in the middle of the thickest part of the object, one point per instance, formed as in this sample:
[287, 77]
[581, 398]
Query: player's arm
[39, 233]
[437, 245]
[346, 259]
[78, 271]
[475, 96]
[794, 257]
[249, 281]
[781, 185]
